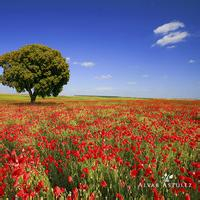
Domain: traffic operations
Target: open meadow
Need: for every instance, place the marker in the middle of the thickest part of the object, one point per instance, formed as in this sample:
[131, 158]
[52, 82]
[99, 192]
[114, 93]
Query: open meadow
[99, 148]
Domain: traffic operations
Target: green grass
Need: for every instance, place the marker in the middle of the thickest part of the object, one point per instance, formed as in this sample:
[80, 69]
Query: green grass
[13, 97]
[25, 98]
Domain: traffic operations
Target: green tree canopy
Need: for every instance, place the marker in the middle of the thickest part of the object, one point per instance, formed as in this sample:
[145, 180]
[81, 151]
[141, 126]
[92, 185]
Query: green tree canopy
[37, 69]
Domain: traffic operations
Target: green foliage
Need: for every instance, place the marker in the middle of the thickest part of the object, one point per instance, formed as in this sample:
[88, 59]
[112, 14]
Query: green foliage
[37, 69]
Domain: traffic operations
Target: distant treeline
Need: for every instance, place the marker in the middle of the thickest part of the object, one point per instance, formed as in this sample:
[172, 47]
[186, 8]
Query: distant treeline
[101, 96]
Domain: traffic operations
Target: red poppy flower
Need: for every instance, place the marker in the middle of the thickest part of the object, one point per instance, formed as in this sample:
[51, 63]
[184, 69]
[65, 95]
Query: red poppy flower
[75, 194]
[58, 191]
[86, 170]
[103, 183]
[187, 197]
[70, 179]
[92, 196]
[119, 196]
[133, 173]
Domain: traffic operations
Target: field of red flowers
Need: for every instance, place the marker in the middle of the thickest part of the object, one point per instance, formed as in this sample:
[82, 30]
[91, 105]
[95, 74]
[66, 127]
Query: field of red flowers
[100, 149]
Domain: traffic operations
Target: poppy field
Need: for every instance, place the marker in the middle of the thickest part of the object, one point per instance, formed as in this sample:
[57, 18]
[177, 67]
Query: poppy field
[99, 148]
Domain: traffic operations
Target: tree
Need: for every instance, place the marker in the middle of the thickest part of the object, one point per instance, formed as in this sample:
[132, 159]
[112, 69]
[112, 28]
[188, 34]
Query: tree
[37, 69]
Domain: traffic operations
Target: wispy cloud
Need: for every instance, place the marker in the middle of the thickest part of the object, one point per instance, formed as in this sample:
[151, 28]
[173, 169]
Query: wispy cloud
[103, 77]
[131, 83]
[191, 61]
[170, 33]
[86, 64]
[102, 89]
[166, 28]
[145, 76]
[172, 38]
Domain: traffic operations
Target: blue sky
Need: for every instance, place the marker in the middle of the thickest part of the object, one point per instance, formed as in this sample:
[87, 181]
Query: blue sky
[139, 48]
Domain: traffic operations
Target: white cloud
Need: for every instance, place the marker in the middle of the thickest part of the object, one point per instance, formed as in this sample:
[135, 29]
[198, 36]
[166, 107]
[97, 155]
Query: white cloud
[145, 75]
[68, 59]
[171, 34]
[166, 28]
[172, 38]
[191, 61]
[86, 64]
[104, 77]
[131, 83]
[104, 88]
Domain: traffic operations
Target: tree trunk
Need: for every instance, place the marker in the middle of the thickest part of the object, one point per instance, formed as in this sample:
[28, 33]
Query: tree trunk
[32, 95]
[33, 98]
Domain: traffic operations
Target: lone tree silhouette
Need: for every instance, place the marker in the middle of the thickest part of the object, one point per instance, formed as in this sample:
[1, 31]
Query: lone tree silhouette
[37, 69]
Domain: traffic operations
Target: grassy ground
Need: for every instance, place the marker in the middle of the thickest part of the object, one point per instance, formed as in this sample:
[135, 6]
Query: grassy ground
[12, 98]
